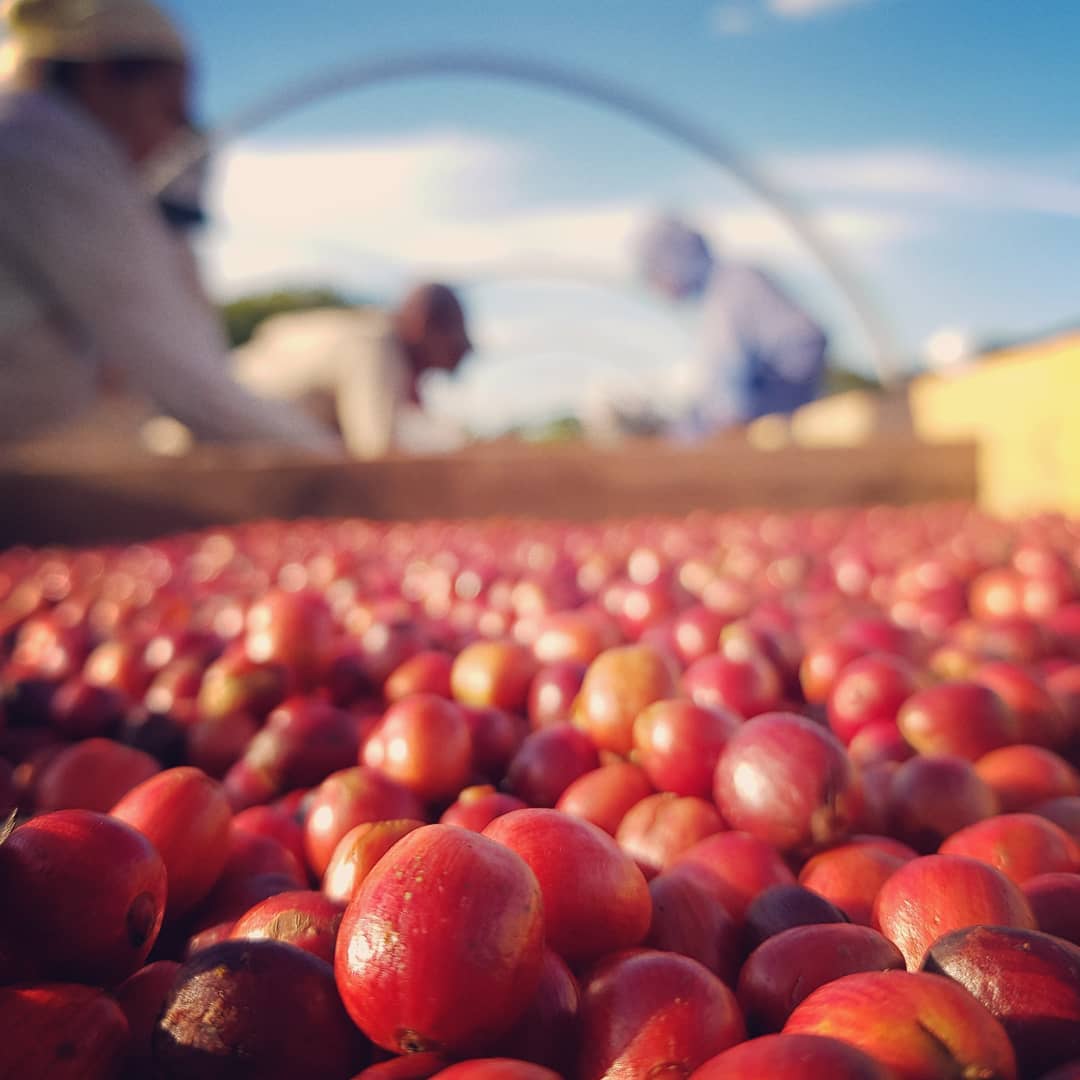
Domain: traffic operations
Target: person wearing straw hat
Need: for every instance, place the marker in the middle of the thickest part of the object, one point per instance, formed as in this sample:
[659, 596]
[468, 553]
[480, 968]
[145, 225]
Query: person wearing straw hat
[361, 369]
[95, 290]
[759, 353]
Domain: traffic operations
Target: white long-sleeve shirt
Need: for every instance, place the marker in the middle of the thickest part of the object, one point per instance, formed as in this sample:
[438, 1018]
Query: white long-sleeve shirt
[94, 287]
[346, 362]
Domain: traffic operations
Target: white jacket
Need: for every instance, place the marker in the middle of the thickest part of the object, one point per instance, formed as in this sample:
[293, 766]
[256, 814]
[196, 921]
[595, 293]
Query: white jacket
[93, 286]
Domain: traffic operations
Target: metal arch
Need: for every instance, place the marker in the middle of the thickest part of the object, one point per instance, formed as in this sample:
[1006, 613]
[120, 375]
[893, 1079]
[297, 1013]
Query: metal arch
[553, 272]
[652, 114]
[568, 273]
[556, 271]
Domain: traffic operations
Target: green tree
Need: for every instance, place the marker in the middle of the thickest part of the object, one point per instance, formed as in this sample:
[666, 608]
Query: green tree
[839, 380]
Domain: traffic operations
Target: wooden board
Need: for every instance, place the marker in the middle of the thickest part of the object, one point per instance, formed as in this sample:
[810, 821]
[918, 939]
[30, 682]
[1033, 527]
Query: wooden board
[73, 505]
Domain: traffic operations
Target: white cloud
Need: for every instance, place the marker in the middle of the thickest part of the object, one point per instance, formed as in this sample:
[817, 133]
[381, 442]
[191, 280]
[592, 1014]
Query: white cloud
[731, 20]
[374, 214]
[738, 17]
[448, 172]
[913, 173]
[804, 9]
[327, 208]
[760, 233]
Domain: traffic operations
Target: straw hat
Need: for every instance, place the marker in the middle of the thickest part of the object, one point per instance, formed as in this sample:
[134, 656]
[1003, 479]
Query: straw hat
[85, 30]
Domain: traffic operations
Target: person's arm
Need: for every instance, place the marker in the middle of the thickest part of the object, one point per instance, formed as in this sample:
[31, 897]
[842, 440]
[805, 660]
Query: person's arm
[97, 251]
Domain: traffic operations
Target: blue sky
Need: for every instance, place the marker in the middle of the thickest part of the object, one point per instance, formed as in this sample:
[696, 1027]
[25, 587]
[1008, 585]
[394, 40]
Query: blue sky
[936, 143]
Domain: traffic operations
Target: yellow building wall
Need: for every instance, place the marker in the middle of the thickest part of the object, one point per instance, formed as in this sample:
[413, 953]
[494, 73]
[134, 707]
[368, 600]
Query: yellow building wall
[1022, 408]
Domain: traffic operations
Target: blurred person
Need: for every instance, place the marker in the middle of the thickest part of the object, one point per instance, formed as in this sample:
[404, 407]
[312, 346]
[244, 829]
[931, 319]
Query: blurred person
[99, 294]
[362, 368]
[758, 353]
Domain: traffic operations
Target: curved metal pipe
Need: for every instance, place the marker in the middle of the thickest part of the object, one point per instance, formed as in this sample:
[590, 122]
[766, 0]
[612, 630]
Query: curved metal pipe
[651, 113]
